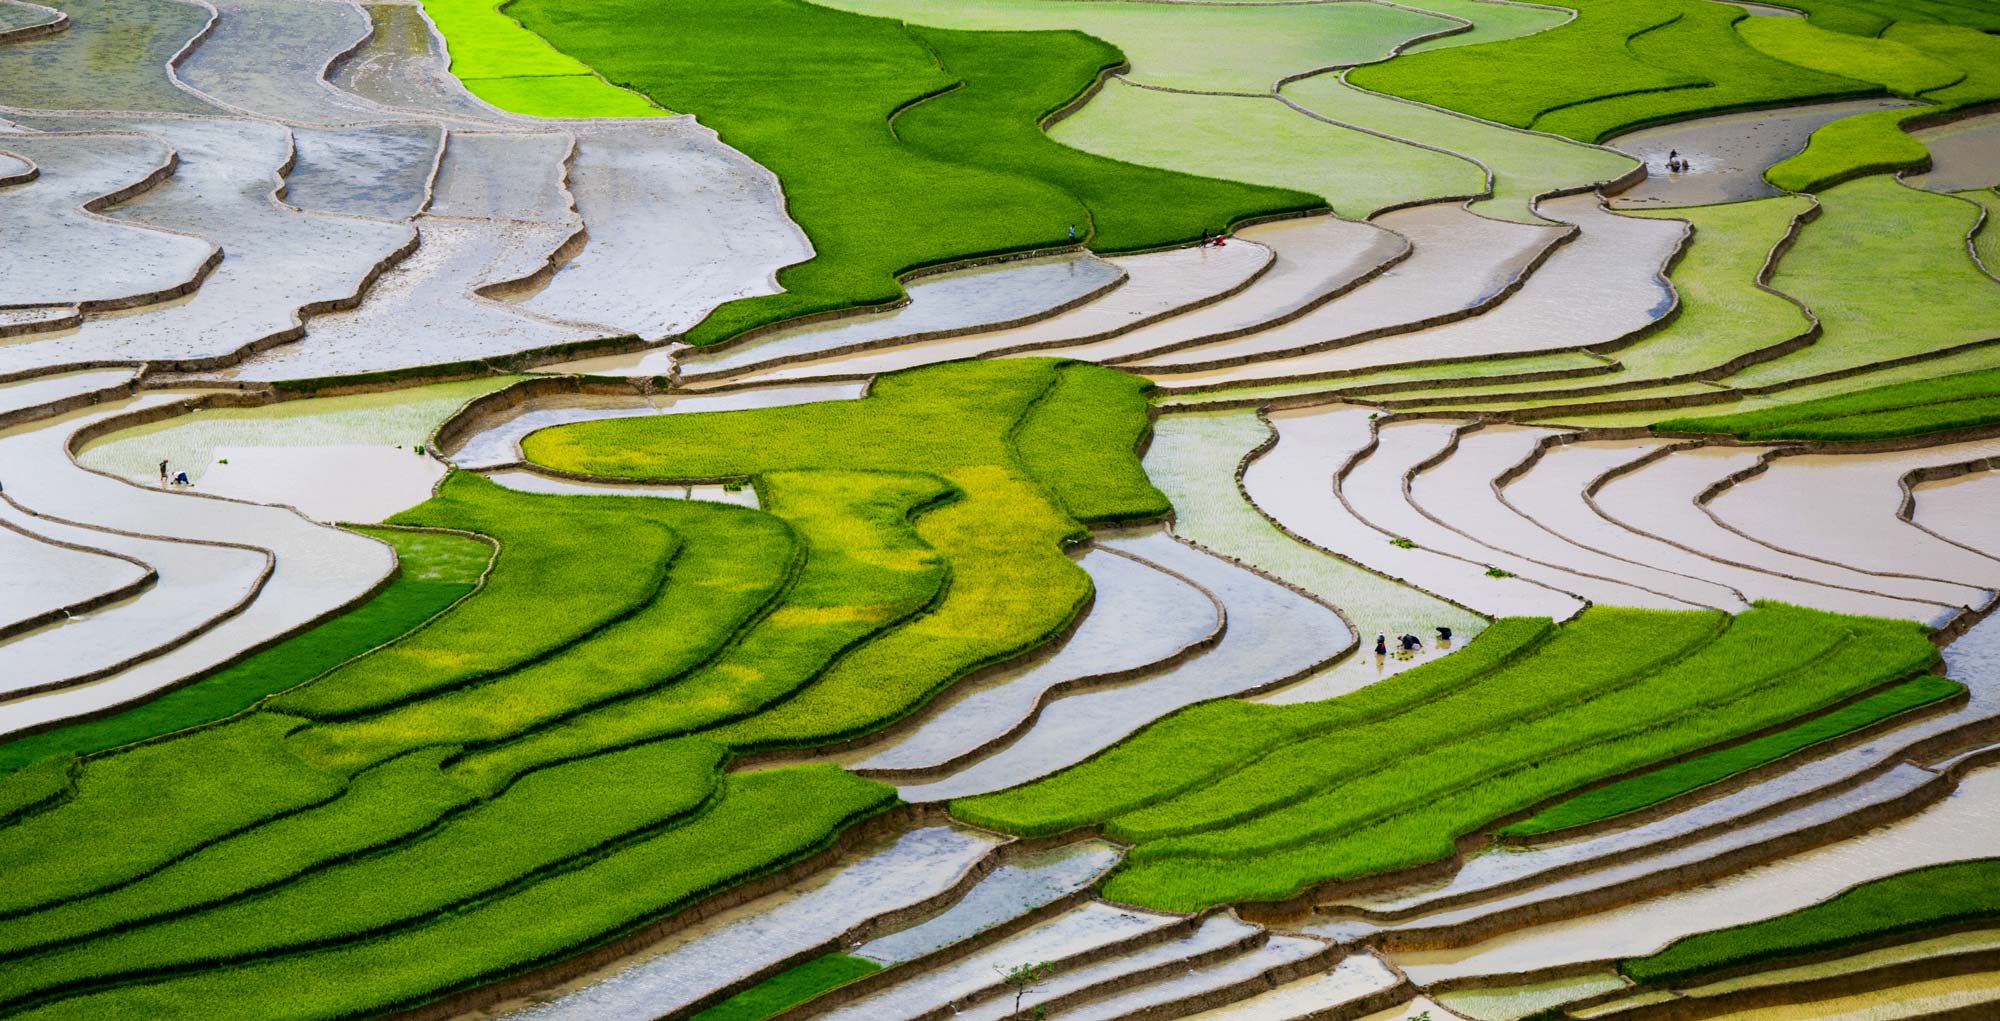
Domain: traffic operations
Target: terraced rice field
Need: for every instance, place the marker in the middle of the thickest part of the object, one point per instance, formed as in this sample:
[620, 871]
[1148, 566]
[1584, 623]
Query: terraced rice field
[998, 509]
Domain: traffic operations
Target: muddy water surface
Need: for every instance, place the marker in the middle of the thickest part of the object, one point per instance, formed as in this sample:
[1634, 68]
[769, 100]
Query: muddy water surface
[382, 171]
[317, 569]
[1964, 155]
[1843, 508]
[1458, 493]
[1092, 926]
[1457, 261]
[949, 302]
[58, 254]
[666, 201]
[277, 259]
[1964, 825]
[1963, 509]
[1356, 976]
[1315, 258]
[1139, 616]
[1157, 284]
[1025, 882]
[1729, 152]
[1271, 634]
[1659, 500]
[347, 482]
[743, 942]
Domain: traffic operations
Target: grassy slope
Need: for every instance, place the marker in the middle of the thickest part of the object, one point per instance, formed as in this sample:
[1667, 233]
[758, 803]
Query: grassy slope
[790, 988]
[1011, 586]
[1424, 757]
[1911, 903]
[791, 813]
[437, 571]
[1625, 64]
[544, 594]
[788, 83]
[1099, 481]
[1880, 238]
[1204, 47]
[1203, 742]
[154, 803]
[1654, 787]
[1876, 142]
[993, 121]
[1524, 165]
[731, 561]
[512, 68]
[545, 821]
[867, 571]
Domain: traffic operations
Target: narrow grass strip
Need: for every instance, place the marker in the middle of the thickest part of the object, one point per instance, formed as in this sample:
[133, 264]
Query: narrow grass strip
[790, 988]
[547, 819]
[763, 821]
[1958, 400]
[1910, 903]
[438, 569]
[1654, 787]
[1202, 742]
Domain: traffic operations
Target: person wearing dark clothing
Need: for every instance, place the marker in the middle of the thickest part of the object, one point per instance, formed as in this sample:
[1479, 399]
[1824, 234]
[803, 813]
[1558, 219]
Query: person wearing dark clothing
[1444, 633]
[1381, 645]
[1410, 643]
[163, 471]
